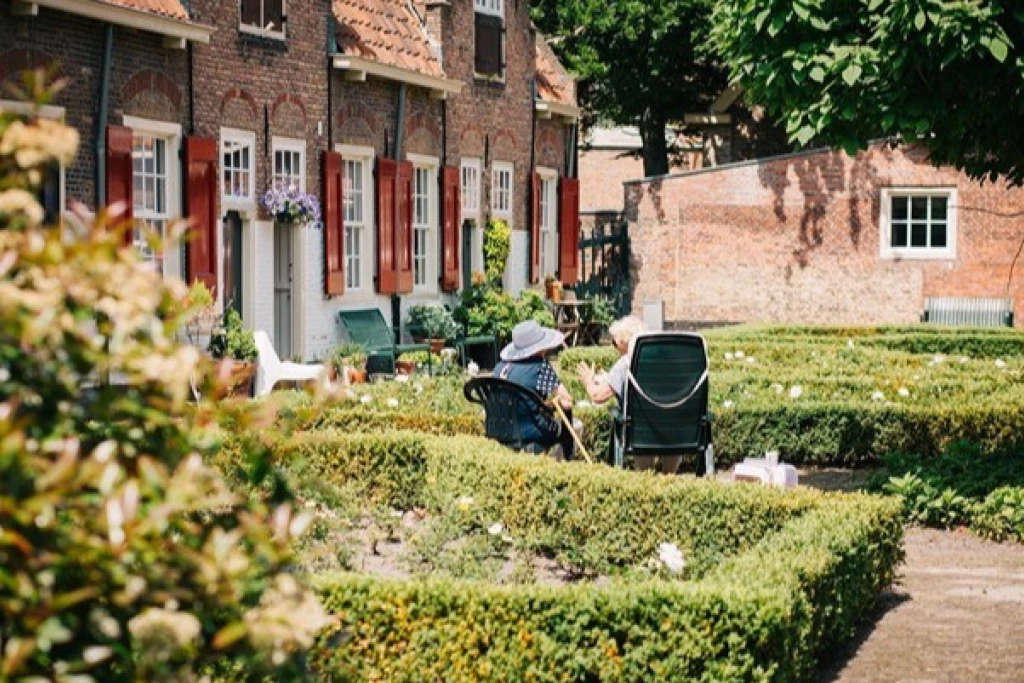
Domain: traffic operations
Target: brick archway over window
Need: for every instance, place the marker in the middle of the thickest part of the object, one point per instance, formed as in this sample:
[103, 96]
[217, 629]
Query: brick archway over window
[424, 135]
[286, 106]
[471, 143]
[503, 144]
[547, 148]
[229, 101]
[356, 122]
[151, 94]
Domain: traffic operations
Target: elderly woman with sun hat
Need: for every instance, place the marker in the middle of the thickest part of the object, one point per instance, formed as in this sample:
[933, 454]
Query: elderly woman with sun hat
[524, 362]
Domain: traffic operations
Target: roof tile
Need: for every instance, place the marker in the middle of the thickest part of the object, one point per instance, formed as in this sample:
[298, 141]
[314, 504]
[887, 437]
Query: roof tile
[387, 32]
[553, 82]
[166, 8]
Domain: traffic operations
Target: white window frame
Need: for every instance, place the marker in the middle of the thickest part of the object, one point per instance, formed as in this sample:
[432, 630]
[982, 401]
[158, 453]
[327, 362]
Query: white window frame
[170, 133]
[494, 8]
[548, 221]
[470, 196]
[368, 234]
[278, 34]
[887, 251]
[284, 145]
[504, 213]
[430, 165]
[47, 112]
[231, 202]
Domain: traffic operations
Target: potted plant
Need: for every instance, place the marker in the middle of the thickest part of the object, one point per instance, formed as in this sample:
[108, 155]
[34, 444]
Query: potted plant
[237, 345]
[553, 288]
[349, 361]
[290, 205]
[432, 322]
[413, 361]
[200, 312]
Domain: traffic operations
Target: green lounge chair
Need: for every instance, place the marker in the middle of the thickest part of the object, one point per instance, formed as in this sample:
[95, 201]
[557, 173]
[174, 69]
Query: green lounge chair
[367, 327]
[665, 407]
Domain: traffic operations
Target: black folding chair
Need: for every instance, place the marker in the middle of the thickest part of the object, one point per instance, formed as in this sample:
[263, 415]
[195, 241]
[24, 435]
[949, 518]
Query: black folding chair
[665, 407]
[507, 406]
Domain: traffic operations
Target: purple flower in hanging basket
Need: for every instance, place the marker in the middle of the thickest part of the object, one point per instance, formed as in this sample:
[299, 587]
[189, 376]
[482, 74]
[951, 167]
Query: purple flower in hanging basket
[289, 205]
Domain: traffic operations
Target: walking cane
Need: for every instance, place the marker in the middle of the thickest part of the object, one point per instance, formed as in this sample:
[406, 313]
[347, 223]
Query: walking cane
[575, 437]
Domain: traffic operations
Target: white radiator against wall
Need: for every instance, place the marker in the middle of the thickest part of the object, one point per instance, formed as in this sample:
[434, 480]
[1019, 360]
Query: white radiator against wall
[968, 311]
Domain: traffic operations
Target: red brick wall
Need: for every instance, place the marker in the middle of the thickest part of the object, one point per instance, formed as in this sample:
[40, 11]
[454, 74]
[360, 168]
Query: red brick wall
[796, 239]
[246, 82]
[146, 79]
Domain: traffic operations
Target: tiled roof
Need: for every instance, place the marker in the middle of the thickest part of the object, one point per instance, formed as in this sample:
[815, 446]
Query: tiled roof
[553, 83]
[387, 32]
[166, 8]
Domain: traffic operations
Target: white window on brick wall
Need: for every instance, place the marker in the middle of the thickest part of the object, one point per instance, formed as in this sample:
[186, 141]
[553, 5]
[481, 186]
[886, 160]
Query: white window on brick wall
[918, 223]
[489, 39]
[262, 17]
[289, 164]
[423, 183]
[502, 175]
[238, 176]
[155, 196]
[471, 188]
[548, 222]
[495, 7]
[355, 222]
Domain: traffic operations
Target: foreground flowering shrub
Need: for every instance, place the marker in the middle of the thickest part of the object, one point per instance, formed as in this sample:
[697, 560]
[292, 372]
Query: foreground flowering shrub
[123, 556]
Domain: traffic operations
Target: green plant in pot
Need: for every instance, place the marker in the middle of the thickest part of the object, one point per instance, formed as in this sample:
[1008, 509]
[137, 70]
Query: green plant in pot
[349, 361]
[413, 361]
[432, 322]
[232, 341]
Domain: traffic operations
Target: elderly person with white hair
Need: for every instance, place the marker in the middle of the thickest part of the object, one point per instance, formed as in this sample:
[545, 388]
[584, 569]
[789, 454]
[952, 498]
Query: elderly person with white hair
[602, 388]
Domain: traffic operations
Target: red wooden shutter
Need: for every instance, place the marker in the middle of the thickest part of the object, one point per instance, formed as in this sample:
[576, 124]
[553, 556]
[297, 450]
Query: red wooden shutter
[403, 228]
[119, 175]
[452, 233]
[535, 229]
[387, 273]
[334, 225]
[201, 209]
[569, 232]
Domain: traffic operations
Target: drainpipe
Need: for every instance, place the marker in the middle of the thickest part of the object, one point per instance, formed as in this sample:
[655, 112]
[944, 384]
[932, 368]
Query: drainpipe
[396, 299]
[189, 55]
[573, 149]
[533, 169]
[332, 50]
[101, 125]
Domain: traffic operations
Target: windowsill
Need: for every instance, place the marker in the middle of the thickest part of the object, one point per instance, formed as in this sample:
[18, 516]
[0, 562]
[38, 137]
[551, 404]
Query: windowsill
[918, 255]
[256, 32]
[488, 80]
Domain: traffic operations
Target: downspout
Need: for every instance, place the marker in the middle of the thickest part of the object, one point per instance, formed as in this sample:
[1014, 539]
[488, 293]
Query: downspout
[396, 299]
[191, 88]
[332, 50]
[533, 169]
[440, 195]
[573, 149]
[101, 125]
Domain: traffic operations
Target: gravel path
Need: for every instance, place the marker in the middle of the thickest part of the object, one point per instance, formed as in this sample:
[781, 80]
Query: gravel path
[956, 614]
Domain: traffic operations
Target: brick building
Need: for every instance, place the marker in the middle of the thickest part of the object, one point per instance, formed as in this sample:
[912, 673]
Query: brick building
[403, 118]
[820, 237]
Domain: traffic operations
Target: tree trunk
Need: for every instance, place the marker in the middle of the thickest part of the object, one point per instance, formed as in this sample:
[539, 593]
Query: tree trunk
[652, 133]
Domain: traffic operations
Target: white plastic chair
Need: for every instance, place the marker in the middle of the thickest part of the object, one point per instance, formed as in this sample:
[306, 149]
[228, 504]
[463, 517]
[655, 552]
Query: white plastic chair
[272, 369]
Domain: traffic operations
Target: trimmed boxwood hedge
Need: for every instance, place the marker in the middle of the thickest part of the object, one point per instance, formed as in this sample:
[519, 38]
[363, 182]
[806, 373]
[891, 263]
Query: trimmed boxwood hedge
[781, 575]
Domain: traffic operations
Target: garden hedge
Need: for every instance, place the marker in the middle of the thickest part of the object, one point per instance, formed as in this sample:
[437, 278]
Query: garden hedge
[772, 578]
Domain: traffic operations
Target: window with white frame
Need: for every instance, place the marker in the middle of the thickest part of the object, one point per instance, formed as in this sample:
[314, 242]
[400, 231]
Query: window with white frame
[355, 214]
[489, 39]
[262, 17]
[918, 223]
[155, 182]
[548, 224]
[237, 171]
[289, 165]
[501, 190]
[422, 191]
[470, 188]
[149, 184]
[495, 7]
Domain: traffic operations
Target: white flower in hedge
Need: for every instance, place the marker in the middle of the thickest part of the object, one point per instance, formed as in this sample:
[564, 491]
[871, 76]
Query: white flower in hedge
[728, 355]
[727, 404]
[351, 394]
[496, 529]
[366, 399]
[392, 403]
[740, 355]
[849, 344]
[672, 557]
[964, 359]
[751, 359]
[904, 392]
[938, 358]
[464, 502]
[796, 392]
[778, 388]
[402, 379]
[878, 396]
[473, 369]
[1000, 363]
[418, 388]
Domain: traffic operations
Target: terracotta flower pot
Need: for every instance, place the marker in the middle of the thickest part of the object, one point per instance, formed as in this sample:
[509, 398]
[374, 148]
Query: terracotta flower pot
[405, 367]
[355, 375]
[243, 376]
[436, 345]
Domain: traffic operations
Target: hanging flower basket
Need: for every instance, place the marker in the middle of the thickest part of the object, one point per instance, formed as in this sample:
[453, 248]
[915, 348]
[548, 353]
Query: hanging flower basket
[292, 206]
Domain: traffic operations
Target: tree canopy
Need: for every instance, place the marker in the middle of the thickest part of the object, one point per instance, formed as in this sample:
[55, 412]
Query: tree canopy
[948, 74]
[640, 62]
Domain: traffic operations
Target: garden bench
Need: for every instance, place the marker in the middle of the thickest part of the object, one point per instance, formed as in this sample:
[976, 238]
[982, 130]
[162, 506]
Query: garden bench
[665, 406]
[367, 327]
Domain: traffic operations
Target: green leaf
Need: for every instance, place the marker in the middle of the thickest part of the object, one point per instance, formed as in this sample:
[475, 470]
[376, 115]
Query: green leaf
[852, 73]
[776, 26]
[999, 49]
[759, 21]
[818, 74]
[801, 11]
[805, 135]
[920, 19]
